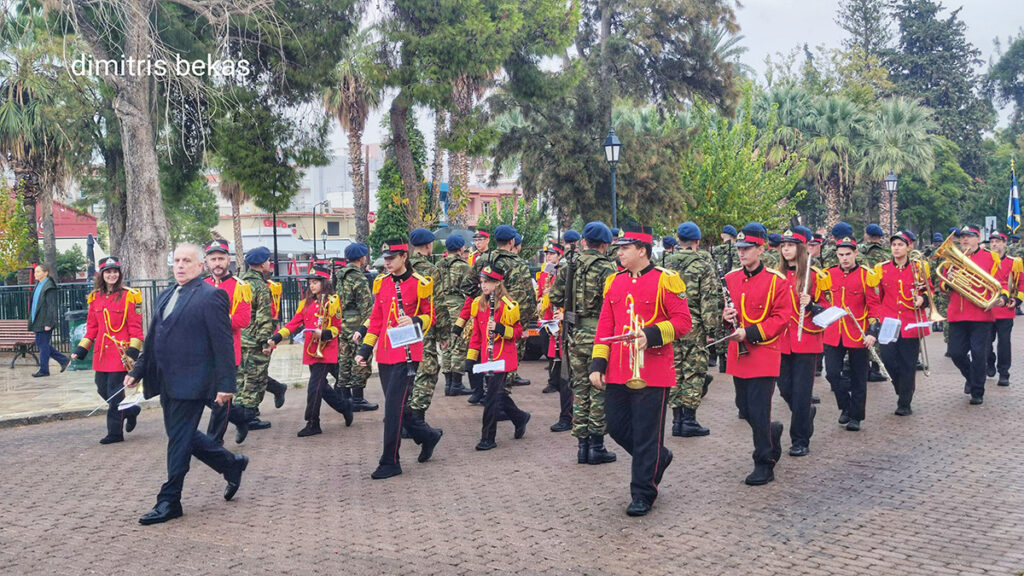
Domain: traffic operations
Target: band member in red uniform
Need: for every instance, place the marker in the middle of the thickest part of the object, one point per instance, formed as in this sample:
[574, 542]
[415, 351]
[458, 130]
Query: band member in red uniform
[853, 289]
[402, 298]
[970, 326]
[218, 263]
[760, 312]
[113, 331]
[319, 315]
[643, 312]
[901, 298]
[802, 344]
[1009, 273]
[496, 329]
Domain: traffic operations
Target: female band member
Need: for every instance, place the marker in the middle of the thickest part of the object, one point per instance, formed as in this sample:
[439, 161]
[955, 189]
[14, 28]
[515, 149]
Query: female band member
[113, 330]
[496, 329]
[319, 315]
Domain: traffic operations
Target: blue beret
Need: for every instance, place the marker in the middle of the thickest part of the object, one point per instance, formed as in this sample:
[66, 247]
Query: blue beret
[519, 238]
[954, 231]
[774, 238]
[597, 232]
[874, 230]
[615, 232]
[356, 251]
[729, 229]
[504, 233]
[571, 236]
[668, 242]
[454, 243]
[257, 256]
[937, 237]
[689, 231]
[842, 230]
[421, 236]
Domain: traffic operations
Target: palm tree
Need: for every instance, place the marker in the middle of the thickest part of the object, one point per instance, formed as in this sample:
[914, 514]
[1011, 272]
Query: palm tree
[833, 148]
[350, 101]
[232, 192]
[897, 139]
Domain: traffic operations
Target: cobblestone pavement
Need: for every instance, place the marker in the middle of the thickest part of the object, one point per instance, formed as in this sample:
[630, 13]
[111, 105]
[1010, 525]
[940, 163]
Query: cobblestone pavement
[935, 493]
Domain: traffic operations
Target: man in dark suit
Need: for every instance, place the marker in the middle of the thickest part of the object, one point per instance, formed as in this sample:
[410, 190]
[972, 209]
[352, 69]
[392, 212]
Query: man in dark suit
[188, 360]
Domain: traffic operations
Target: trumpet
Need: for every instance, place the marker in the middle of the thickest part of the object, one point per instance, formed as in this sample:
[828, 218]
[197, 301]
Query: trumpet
[636, 354]
[321, 323]
[921, 286]
[961, 274]
[122, 348]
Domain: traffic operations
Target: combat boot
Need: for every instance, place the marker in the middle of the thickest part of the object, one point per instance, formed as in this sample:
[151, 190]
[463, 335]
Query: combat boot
[688, 425]
[598, 454]
[312, 428]
[447, 383]
[583, 454]
[477, 397]
[360, 404]
[677, 421]
[457, 388]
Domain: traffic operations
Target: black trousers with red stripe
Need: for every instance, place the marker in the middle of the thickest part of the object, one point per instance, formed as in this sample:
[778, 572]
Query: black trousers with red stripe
[397, 385]
[636, 421]
[796, 382]
[754, 400]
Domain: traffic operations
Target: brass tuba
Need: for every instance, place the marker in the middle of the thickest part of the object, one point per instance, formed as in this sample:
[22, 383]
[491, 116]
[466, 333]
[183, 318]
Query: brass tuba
[636, 355]
[966, 277]
[923, 286]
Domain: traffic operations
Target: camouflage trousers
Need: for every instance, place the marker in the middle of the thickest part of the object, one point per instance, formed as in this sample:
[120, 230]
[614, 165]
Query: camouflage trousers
[691, 360]
[426, 374]
[350, 375]
[942, 305]
[252, 377]
[453, 358]
[587, 401]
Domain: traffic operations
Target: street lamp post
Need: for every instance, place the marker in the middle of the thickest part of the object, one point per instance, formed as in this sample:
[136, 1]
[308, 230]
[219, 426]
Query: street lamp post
[612, 146]
[315, 206]
[323, 236]
[891, 181]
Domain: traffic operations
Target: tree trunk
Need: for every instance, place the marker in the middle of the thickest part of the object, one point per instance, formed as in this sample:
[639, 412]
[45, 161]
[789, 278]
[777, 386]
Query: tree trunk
[406, 163]
[883, 213]
[49, 234]
[115, 201]
[236, 221]
[832, 202]
[458, 161]
[360, 201]
[437, 167]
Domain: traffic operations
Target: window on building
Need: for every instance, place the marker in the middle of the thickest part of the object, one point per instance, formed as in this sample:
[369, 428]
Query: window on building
[486, 208]
[333, 228]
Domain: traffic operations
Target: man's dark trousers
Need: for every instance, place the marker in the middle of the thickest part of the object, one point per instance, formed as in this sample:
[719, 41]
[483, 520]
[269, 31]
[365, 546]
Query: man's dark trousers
[184, 440]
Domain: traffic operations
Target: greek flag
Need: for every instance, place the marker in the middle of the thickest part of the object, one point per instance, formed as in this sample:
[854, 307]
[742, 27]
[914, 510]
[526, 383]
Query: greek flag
[1013, 209]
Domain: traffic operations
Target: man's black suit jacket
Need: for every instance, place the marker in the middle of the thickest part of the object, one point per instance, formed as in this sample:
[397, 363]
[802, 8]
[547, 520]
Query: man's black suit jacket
[190, 355]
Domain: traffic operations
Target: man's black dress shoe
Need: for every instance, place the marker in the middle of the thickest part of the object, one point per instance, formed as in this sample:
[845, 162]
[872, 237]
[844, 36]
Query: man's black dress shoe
[234, 477]
[162, 512]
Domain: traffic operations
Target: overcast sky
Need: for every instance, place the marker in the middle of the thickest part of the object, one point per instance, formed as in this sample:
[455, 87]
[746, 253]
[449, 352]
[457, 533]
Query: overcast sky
[769, 27]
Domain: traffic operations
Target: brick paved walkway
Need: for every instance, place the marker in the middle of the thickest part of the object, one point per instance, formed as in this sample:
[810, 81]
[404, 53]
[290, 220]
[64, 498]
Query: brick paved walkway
[936, 493]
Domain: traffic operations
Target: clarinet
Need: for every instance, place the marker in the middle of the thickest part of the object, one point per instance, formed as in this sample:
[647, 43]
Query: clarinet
[742, 346]
[490, 338]
[410, 371]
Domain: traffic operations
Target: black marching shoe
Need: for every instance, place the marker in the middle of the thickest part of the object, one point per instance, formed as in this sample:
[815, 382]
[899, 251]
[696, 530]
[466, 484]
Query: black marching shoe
[476, 397]
[40, 374]
[132, 418]
[311, 429]
[688, 425]
[677, 421]
[975, 400]
[967, 387]
[427, 449]
[1003, 381]
[257, 424]
[798, 451]
[853, 425]
[760, 476]
[990, 372]
[583, 453]
[844, 418]
[903, 411]
[776, 429]
[234, 477]
[486, 444]
[521, 427]
[662, 466]
[279, 392]
[638, 507]
[598, 454]
[111, 439]
[386, 471]
[162, 512]
[457, 388]
[519, 381]
[361, 404]
[563, 425]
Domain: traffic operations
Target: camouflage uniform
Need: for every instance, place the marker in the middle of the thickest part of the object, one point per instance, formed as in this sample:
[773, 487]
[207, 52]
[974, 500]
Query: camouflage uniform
[873, 253]
[356, 303]
[704, 294]
[528, 309]
[426, 375]
[452, 270]
[252, 372]
[770, 258]
[592, 268]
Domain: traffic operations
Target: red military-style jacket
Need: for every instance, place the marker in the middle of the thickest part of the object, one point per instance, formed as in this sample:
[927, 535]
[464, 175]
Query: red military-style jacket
[963, 310]
[658, 297]
[762, 299]
[855, 291]
[112, 324]
[316, 315]
[896, 297]
[810, 342]
[417, 303]
[507, 331]
[240, 296]
[1010, 269]
[544, 283]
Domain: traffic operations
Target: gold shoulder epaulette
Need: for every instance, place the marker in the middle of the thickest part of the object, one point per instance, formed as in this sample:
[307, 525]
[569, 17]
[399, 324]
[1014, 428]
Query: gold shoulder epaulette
[90, 297]
[135, 296]
[333, 305]
[672, 281]
[509, 303]
[872, 277]
[608, 282]
[377, 281]
[474, 308]
[425, 288]
[776, 272]
[244, 291]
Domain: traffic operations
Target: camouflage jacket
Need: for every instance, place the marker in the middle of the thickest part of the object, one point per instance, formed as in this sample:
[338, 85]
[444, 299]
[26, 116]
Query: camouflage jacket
[725, 257]
[519, 282]
[770, 259]
[452, 270]
[590, 271]
[703, 292]
[356, 299]
[873, 253]
[261, 325]
[423, 266]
